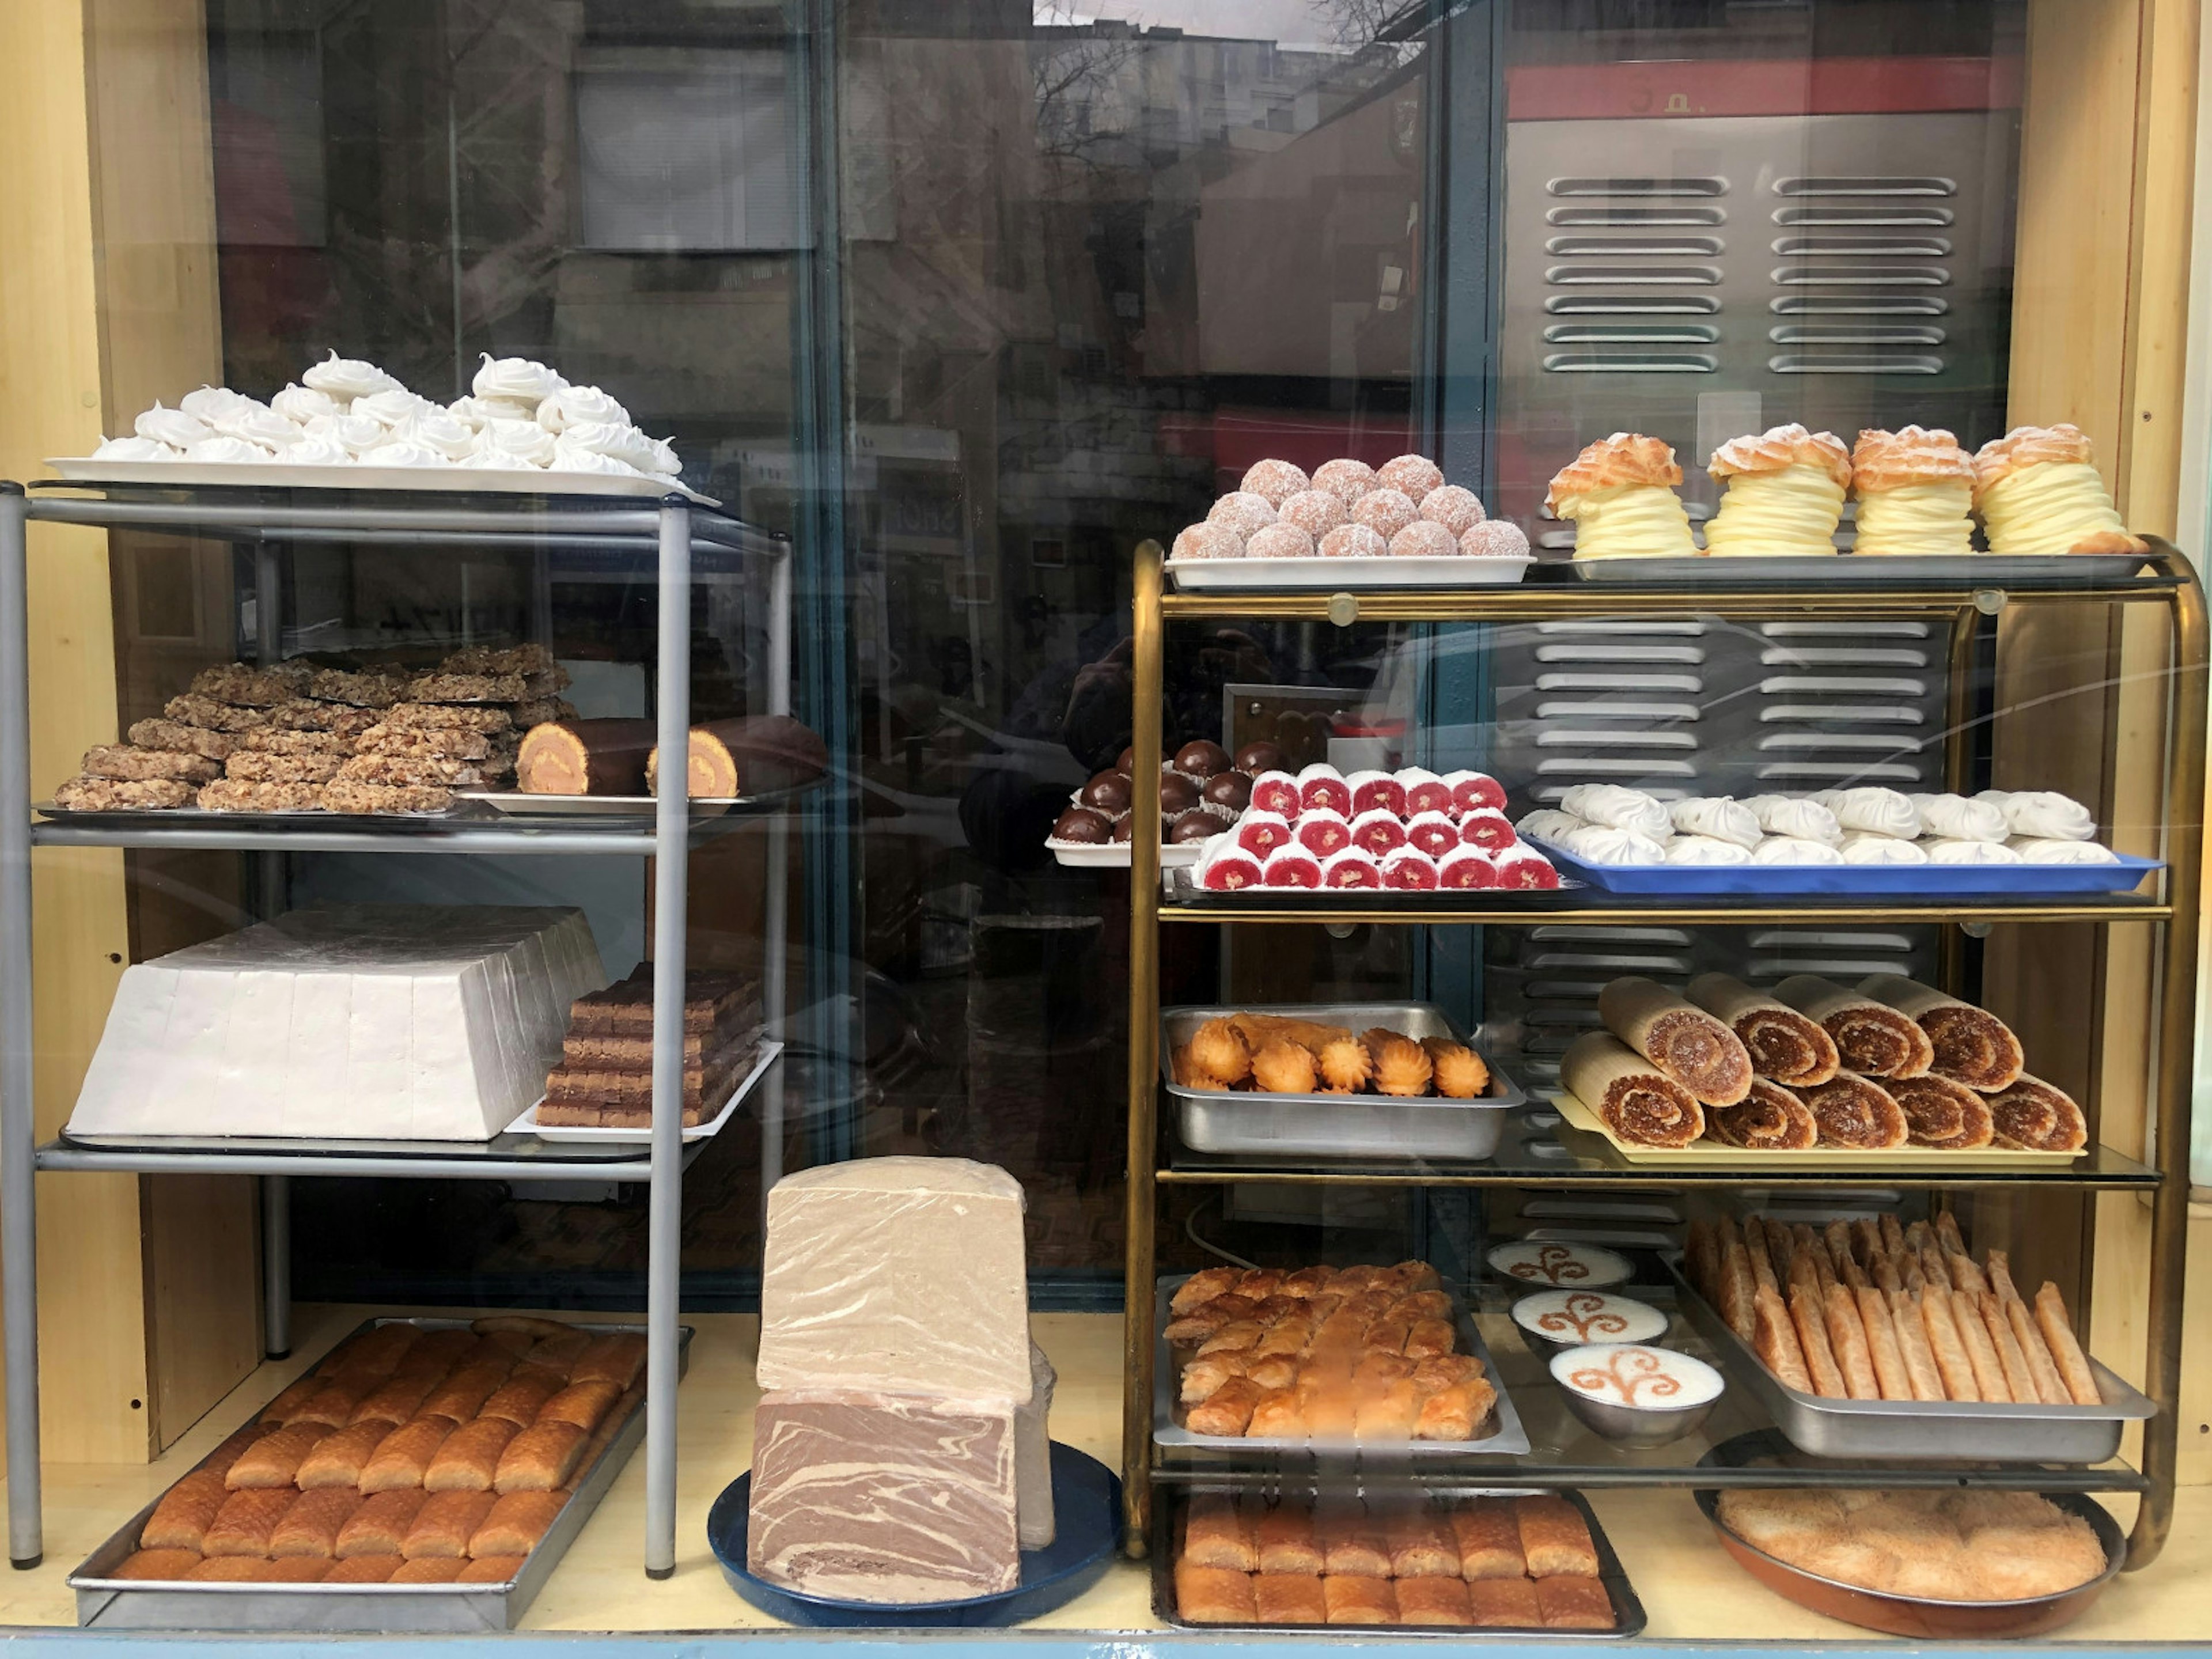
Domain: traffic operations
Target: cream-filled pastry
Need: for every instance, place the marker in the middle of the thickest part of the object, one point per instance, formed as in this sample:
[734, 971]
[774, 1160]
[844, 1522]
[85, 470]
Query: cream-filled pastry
[1784, 494]
[1915, 489]
[1620, 492]
[2039, 491]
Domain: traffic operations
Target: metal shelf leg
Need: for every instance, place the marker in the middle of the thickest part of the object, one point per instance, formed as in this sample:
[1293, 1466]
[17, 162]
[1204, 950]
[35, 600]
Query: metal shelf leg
[277, 1266]
[664, 1227]
[19, 1230]
[1146, 670]
[776, 922]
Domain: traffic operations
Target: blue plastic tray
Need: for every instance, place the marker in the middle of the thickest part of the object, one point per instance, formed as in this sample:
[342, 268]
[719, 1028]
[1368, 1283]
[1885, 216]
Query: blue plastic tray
[1086, 1503]
[1861, 880]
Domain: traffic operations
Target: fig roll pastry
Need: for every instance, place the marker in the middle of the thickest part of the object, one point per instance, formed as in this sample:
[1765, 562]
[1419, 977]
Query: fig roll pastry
[1942, 1114]
[1970, 1045]
[1631, 1096]
[1856, 1113]
[2035, 1116]
[1784, 1044]
[1684, 1042]
[1871, 1037]
[1768, 1119]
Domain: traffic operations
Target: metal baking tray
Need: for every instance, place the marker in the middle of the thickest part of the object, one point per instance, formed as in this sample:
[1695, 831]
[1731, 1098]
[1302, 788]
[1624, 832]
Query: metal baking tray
[1338, 1126]
[1508, 1439]
[2123, 875]
[525, 481]
[1982, 569]
[1911, 1428]
[202, 818]
[107, 1603]
[1628, 1615]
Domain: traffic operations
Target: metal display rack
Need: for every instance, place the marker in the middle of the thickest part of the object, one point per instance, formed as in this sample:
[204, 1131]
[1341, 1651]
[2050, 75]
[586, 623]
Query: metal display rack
[673, 527]
[1956, 603]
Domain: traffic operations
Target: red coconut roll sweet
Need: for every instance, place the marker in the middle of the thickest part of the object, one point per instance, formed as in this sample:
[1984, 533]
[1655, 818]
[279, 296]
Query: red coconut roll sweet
[1291, 866]
[1487, 828]
[1276, 792]
[1425, 791]
[1471, 790]
[1524, 869]
[1433, 833]
[1376, 792]
[1323, 785]
[1324, 832]
[1226, 867]
[1377, 832]
[1351, 868]
[1409, 869]
[1261, 833]
[1465, 867]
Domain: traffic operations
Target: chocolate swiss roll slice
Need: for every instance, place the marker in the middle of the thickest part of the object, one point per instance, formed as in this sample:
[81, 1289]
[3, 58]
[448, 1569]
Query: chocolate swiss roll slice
[1871, 1037]
[745, 756]
[2034, 1116]
[1784, 1044]
[1970, 1045]
[1941, 1114]
[1686, 1044]
[1768, 1119]
[1628, 1094]
[1856, 1114]
[585, 757]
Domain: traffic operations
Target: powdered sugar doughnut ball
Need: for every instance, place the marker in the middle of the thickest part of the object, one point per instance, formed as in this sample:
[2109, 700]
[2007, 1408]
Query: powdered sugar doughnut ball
[1386, 512]
[1495, 539]
[1456, 509]
[1279, 541]
[1275, 480]
[1314, 511]
[1413, 475]
[1345, 479]
[1243, 512]
[1354, 541]
[1208, 540]
[1424, 539]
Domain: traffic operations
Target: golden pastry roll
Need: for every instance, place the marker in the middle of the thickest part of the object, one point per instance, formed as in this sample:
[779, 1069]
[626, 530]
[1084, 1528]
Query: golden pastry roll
[429, 1570]
[1429, 1337]
[585, 757]
[1554, 1538]
[541, 1458]
[1627, 1094]
[1202, 1286]
[1454, 1412]
[1488, 1534]
[617, 1359]
[402, 1457]
[461, 1395]
[1808, 1317]
[1574, 1601]
[491, 1570]
[469, 1457]
[2057, 1332]
[338, 1459]
[1351, 1542]
[1684, 1043]
[1389, 1414]
[1421, 1542]
[1440, 1601]
[1784, 1045]
[1927, 1379]
[1227, 1410]
[1941, 1114]
[1354, 1600]
[1883, 1349]
[1769, 1119]
[180, 1520]
[167, 1565]
[274, 1460]
[1504, 1604]
[1947, 1345]
[558, 1354]
[1282, 1539]
[1847, 1341]
[379, 1526]
[1857, 1114]
[242, 1525]
[1774, 1340]
[583, 1404]
[311, 1526]
[1289, 1598]
[1276, 1416]
[1213, 1596]
[516, 1522]
[364, 1570]
[1870, 1035]
[1970, 1046]
[2036, 1116]
[281, 1410]
[446, 1523]
[522, 1396]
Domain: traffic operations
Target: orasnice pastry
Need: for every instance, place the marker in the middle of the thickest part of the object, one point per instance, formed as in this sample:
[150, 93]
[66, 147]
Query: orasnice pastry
[1620, 492]
[1784, 494]
[2038, 492]
[1915, 489]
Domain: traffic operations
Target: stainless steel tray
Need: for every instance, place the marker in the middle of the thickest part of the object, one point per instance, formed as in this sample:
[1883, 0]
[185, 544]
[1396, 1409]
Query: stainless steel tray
[1908, 1428]
[1629, 1617]
[1338, 1126]
[1988, 569]
[109, 1603]
[1509, 1440]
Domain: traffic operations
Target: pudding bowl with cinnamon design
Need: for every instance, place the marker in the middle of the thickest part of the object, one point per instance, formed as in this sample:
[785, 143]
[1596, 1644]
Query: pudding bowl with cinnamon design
[1551, 1321]
[1636, 1395]
[1552, 1264]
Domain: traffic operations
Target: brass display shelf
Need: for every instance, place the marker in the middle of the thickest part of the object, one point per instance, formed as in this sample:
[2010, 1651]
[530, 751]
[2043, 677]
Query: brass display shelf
[1567, 1456]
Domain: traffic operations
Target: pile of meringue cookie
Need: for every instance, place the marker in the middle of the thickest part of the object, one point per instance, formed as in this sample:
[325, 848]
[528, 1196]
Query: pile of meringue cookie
[1349, 510]
[343, 412]
[1606, 823]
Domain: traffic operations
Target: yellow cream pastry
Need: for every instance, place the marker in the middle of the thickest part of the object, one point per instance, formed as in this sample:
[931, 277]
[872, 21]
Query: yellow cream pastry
[1915, 489]
[1620, 492]
[2038, 492]
[1784, 494]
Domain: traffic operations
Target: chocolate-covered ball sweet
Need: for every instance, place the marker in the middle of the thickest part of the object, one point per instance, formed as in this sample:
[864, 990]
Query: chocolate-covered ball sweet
[1201, 758]
[1080, 823]
[1109, 791]
[1231, 790]
[1197, 824]
[1126, 764]
[1259, 756]
[1177, 793]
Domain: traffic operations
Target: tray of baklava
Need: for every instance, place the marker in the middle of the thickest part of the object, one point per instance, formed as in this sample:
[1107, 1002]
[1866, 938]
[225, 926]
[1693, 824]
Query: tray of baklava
[425, 1475]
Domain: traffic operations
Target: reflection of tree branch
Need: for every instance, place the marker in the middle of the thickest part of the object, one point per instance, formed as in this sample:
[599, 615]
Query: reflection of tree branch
[1079, 75]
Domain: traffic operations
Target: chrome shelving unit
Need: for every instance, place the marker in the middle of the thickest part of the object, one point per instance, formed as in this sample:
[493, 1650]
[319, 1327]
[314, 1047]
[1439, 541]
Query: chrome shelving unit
[676, 531]
[1957, 606]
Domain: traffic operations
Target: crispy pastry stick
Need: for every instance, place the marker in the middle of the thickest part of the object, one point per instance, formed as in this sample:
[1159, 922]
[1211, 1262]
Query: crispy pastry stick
[2065, 1352]
[1948, 1347]
[1810, 1324]
[1784, 1044]
[1847, 1339]
[1630, 1095]
[1981, 1352]
[2050, 1386]
[1912, 1341]
[1686, 1044]
[1737, 1283]
[1762, 1265]
[1774, 1339]
[1890, 1372]
[2012, 1359]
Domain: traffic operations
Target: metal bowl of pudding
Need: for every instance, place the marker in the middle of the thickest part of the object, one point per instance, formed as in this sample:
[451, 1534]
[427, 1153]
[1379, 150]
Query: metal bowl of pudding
[1551, 1321]
[1637, 1395]
[1556, 1264]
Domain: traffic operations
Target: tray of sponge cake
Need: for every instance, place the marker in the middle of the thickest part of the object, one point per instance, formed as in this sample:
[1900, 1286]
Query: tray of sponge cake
[2042, 509]
[426, 1475]
[1381, 1360]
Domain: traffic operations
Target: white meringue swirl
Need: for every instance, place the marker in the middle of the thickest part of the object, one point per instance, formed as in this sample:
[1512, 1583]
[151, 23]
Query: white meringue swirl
[2038, 849]
[1954, 817]
[356, 432]
[316, 449]
[1619, 808]
[566, 459]
[520, 379]
[1874, 810]
[1548, 824]
[1718, 816]
[394, 405]
[1602, 843]
[1946, 850]
[229, 451]
[212, 403]
[1871, 847]
[579, 405]
[303, 404]
[348, 378]
[1795, 849]
[434, 428]
[2043, 814]
[1706, 849]
[1798, 819]
[403, 454]
[521, 443]
[171, 427]
[134, 449]
[265, 427]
